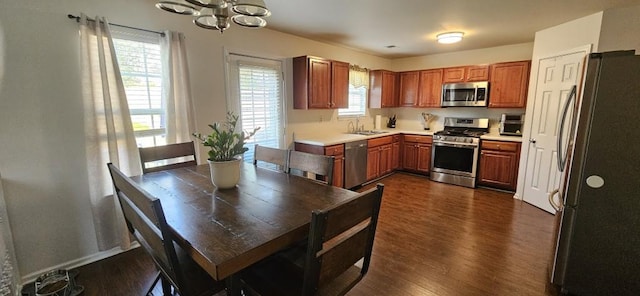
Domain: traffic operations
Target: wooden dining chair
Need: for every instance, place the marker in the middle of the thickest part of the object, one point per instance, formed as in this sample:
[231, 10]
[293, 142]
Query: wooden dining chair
[339, 237]
[320, 165]
[151, 155]
[275, 156]
[145, 220]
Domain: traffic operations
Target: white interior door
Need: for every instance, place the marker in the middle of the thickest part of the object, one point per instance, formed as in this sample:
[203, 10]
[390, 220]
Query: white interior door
[555, 78]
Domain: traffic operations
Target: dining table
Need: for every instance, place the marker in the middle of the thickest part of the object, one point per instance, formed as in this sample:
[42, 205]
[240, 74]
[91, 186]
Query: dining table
[228, 230]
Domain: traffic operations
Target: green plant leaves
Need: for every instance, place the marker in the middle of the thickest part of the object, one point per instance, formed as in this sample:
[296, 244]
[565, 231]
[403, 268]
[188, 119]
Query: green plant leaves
[223, 142]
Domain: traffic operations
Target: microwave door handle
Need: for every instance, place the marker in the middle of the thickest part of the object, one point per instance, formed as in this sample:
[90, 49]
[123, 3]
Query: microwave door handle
[562, 155]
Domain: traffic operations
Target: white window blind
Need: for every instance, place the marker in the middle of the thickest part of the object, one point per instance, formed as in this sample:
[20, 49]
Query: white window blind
[357, 102]
[140, 65]
[260, 103]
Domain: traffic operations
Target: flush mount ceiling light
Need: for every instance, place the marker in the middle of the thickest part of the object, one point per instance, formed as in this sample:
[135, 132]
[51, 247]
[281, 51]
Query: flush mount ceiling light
[215, 14]
[449, 37]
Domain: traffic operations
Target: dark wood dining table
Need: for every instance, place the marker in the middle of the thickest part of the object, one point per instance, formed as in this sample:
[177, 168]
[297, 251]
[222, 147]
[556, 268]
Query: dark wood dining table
[226, 231]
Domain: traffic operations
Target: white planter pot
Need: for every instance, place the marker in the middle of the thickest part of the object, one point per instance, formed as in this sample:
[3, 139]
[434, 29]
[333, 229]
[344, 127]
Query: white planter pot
[225, 174]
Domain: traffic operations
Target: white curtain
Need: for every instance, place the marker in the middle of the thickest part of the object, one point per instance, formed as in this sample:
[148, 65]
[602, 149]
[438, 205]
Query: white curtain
[358, 77]
[108, 130]
[176, 88]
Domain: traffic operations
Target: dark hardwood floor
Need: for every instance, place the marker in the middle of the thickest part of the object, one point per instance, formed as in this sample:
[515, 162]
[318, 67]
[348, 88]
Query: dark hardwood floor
[432, 239]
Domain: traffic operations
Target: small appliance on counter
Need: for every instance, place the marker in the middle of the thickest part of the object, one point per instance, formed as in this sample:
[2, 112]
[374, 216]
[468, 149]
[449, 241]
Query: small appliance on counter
[511, 124]
[392, 122]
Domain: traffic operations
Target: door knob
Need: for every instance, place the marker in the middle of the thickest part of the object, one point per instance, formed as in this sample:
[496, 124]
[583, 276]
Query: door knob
[532, 141]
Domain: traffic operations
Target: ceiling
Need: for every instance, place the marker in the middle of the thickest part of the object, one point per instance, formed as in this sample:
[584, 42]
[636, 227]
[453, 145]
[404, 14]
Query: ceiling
[411, 26]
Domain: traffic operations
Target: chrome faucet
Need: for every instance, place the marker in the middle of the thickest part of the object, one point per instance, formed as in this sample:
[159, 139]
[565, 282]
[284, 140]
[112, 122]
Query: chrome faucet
[350, 127]
[359, 127]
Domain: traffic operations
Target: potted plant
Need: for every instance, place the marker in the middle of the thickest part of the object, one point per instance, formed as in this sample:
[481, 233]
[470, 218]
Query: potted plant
[226, 147]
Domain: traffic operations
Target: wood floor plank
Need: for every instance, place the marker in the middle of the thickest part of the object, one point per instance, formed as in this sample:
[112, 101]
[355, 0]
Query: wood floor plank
[432, 239]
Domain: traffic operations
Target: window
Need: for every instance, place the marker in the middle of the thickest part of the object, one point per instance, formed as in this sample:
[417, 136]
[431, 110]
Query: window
[256, 94]
[140, 65]
[358, 85]
[357, 102]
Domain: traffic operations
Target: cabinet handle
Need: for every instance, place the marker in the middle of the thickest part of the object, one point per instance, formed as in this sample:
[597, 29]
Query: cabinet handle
[498, 147]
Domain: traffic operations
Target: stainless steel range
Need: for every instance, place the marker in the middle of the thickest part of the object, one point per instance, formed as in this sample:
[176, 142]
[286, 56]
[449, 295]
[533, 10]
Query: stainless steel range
[455, 150]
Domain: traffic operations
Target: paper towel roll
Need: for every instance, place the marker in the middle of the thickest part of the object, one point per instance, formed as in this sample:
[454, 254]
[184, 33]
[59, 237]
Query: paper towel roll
[377, 123]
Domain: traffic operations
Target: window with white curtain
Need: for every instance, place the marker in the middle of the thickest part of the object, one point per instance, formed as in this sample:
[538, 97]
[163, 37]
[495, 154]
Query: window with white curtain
[140, 65]
[358, 85]
[256, 95]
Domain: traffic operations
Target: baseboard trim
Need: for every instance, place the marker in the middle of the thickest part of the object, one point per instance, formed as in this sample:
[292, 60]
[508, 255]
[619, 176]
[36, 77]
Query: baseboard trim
[75, 263]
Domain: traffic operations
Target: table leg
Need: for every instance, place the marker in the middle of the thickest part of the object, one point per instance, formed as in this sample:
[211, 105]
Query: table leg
[233, 285]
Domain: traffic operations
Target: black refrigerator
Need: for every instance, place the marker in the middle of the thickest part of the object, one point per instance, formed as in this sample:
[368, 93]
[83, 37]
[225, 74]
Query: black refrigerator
[598, 246]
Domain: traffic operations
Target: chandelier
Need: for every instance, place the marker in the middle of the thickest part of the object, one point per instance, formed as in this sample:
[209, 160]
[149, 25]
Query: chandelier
[215, 14]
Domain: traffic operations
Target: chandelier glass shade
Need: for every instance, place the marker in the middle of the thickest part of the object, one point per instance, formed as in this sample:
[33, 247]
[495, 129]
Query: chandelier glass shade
[217, 14]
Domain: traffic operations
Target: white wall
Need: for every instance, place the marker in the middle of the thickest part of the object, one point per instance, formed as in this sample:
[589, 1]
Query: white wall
[549, 42]
[507, 53]
[42, 153]
[620, 29]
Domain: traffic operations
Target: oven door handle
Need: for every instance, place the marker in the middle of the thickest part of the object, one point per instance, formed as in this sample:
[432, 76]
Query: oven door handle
[455, 144]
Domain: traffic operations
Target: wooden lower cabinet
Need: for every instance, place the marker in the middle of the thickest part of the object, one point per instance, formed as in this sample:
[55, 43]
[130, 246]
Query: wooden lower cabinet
[416, 154]
[380, 157]
[499, 164]
[395, 153]
[337, 151]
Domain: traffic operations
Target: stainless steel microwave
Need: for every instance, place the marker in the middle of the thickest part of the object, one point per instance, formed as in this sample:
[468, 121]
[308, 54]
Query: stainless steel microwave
[472, 94]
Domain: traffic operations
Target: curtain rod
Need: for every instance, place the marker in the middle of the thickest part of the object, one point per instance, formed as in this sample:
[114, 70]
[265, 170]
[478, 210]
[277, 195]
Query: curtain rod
[77, 18]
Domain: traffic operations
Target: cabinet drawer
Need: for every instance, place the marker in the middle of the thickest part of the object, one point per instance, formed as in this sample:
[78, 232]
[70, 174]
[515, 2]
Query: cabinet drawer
[418, 139]
[334, 150]
[379, 141]
[500, 146]
[396, 138]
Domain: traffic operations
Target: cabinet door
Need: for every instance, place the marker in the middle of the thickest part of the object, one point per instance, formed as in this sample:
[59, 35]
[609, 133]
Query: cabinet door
[389, 89]
[430, 92]
[340, 85]
[508, 87]
[395, 156]
[373, 160]
[410, 156]
[477, 73]
[498, 169]
[424, 158]
[319, 83]
[383, 89]
[409, 82]
[338, 171]
[456, 74]
[384, 165]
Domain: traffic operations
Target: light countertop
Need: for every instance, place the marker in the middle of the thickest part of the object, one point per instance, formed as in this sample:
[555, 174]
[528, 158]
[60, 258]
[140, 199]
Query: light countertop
[328, 139]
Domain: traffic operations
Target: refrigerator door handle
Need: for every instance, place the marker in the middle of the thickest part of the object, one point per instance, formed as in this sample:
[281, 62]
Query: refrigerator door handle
[552, 201]
[562, 154]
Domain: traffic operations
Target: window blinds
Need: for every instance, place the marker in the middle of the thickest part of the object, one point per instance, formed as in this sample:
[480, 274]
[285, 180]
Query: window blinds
[260, 104]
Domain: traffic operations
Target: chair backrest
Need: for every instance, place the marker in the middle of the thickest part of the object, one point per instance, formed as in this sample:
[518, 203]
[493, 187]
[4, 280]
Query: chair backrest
[339, 237]
[275, 156]
[167, 152]
[312, 163]
[145, 220]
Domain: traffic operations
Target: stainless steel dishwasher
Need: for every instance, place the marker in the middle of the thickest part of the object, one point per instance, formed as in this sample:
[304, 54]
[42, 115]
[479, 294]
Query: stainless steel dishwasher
[355, 163]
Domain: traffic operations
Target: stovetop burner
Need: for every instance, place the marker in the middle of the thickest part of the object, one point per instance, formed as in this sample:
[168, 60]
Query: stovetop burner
[461, 132]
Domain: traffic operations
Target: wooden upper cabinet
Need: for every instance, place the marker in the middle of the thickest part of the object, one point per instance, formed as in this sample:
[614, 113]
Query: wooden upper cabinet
[508, 84]
[383, 89]
[466, 74]
[409, 82]
[340, 84]
[477, 73]
[320, 83]
[452, 75]
[430, 92]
